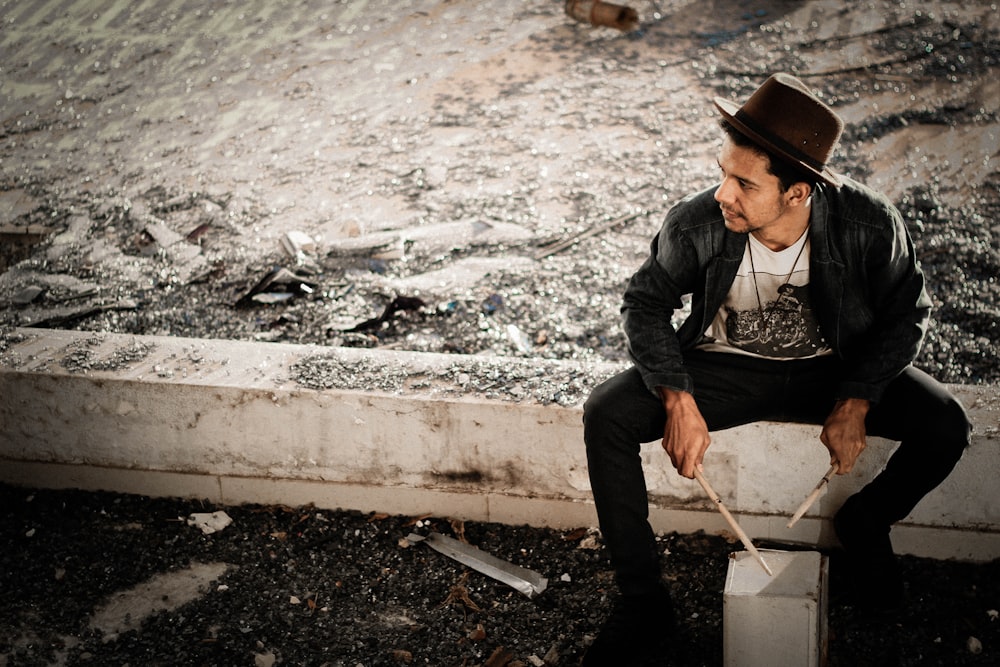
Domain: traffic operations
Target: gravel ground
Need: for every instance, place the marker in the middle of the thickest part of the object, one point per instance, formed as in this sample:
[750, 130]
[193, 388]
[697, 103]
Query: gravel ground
[299, 586]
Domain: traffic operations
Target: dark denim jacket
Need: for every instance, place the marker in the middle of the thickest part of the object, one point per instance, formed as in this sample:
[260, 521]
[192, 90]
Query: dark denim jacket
[864, 282]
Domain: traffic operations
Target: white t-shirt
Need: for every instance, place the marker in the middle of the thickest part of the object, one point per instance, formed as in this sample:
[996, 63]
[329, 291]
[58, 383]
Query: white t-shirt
[767, 312]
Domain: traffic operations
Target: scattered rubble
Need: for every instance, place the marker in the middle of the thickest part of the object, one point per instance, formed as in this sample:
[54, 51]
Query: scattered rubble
[278, 285]
[604, 14]
[523, 580]
[209, 522]
[543, 382]
[85, 356]
[511, 181]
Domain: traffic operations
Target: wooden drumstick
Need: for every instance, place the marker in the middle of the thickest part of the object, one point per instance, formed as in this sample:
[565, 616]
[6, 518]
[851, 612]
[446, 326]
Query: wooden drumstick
[732, 521]
[807, 503]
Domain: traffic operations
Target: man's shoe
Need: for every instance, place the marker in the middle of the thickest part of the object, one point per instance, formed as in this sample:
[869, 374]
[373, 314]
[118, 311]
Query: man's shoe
[635, 633]
[875, 581]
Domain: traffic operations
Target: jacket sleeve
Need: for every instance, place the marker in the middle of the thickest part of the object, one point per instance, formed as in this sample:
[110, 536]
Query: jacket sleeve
[653, 294]
[900, 310]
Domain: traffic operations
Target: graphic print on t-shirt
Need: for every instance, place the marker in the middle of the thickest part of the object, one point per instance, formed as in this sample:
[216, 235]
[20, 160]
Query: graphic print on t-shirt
[782, 324]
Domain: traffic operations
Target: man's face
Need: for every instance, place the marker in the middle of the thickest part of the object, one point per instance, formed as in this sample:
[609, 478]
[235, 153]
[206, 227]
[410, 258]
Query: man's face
[749, 195]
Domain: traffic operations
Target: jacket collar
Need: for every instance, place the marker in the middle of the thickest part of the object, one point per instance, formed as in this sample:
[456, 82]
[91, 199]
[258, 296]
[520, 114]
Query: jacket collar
[822, 250]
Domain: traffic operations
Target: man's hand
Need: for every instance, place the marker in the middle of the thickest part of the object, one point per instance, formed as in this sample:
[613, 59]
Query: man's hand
[844, 433]
[685, 435]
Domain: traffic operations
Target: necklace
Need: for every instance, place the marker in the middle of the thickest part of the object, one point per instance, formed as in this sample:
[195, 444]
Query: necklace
[765, 317]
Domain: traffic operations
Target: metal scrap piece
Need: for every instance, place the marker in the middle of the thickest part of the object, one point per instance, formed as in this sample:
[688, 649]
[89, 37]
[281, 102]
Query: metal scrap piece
[523, 580]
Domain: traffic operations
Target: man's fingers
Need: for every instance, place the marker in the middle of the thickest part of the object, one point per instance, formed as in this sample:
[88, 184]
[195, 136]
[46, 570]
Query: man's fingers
[844, 464]
[680, 462]
[697, 466]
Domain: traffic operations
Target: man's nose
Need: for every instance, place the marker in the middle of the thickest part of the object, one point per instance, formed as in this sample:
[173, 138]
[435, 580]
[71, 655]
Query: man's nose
[723, 193]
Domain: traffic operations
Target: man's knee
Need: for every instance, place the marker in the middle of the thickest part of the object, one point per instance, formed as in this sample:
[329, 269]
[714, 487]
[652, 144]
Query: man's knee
[595, 404]
[953, 426]
[935, 416]
[621, 408]
[944, 431]
[606, 400]
[598, 415]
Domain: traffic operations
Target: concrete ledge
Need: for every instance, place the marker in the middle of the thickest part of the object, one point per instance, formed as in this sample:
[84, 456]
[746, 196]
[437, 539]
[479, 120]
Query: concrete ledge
[225, 421]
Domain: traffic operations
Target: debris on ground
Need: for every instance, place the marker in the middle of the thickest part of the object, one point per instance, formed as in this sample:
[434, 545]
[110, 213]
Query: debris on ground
[209, 522]
[278, 285]
[604, 14]
[481, 180]
[400, 304]
[524, 581]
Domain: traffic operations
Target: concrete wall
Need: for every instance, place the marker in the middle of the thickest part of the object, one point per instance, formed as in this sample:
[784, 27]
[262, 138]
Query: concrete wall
[225, 421]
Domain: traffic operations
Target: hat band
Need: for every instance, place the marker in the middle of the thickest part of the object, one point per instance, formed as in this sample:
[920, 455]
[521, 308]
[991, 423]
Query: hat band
[778, 142]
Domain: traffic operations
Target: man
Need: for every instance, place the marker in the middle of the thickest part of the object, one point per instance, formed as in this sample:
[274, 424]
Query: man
[807, 305]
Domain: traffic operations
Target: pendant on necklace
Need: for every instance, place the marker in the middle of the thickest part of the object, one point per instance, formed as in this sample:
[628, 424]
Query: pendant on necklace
[765, 317]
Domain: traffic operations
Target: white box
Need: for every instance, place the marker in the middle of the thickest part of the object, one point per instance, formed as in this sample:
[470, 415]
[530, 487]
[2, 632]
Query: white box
[775, 620]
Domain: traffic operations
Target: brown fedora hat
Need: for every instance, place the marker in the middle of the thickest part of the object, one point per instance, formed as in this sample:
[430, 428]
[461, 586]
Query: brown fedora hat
[784, 117]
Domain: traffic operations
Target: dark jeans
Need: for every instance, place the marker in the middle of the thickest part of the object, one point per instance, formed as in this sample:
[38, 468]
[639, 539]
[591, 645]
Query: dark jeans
[621, 414]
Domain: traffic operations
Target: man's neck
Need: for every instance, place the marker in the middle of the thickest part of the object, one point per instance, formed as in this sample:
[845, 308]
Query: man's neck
[779, 236]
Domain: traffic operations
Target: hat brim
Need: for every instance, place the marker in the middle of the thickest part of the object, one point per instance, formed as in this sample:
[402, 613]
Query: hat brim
[728, 109]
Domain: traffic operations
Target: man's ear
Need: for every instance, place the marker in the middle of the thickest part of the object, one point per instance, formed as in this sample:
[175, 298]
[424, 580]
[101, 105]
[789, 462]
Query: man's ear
[799, 193]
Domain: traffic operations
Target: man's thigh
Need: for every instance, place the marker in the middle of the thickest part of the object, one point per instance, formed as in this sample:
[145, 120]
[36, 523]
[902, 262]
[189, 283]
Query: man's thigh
[622, 407]
[735, 389]
[916, 406]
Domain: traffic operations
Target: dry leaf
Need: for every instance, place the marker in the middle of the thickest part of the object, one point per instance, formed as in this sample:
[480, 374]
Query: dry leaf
[458, 527]
[400, 655]
[459, 595]
[501, 658]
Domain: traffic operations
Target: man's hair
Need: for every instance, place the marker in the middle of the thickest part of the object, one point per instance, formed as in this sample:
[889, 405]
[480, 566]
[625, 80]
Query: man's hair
[787, 173]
